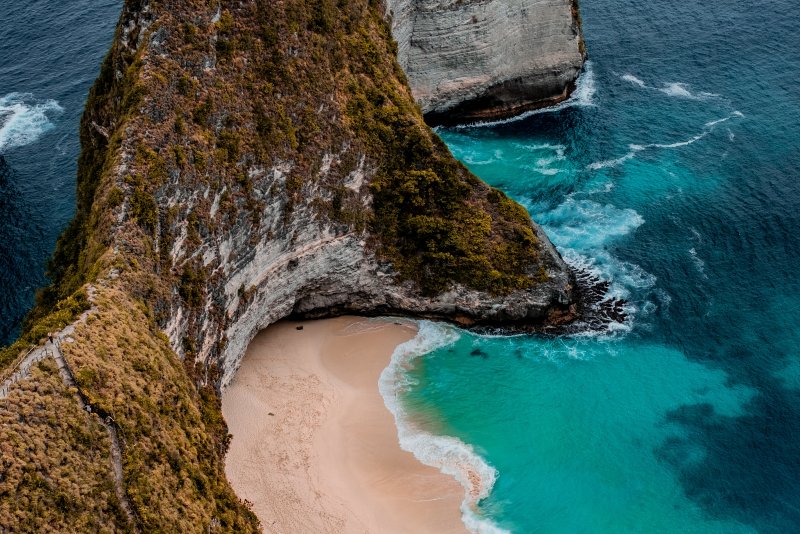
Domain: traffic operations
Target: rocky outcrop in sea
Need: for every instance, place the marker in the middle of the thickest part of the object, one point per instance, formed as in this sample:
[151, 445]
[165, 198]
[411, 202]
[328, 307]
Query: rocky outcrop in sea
[241, 163]
[471, 60]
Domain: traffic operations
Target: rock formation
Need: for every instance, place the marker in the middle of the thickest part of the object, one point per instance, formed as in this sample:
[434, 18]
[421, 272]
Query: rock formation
[242, 162]
[487, 59]
[318, 190]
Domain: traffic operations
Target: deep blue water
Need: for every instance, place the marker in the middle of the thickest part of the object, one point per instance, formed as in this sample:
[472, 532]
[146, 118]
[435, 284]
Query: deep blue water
[675, 174]
[50, 53]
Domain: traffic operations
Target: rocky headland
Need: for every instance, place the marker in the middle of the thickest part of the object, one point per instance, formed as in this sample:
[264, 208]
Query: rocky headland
[243, 162]
[471, 60]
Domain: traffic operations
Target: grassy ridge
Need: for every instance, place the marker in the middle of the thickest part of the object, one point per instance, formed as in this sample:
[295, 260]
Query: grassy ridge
[192, 105]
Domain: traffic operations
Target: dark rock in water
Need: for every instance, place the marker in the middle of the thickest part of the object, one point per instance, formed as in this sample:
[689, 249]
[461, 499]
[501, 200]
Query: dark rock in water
[5, 170]
[300, 327]
[593, 311]
[596, 309]
[480, 353]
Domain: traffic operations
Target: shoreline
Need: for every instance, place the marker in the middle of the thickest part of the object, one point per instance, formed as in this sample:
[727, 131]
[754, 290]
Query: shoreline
[314, 447]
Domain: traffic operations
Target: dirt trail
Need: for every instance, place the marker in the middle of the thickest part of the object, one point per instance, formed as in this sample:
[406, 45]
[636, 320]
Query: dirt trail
[52, 349]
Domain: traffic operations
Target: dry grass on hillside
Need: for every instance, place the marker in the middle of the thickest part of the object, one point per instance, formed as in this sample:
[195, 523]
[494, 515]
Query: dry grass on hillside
[55, 471]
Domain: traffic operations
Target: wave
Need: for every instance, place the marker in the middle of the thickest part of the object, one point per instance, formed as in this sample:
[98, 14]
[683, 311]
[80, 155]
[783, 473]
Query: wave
[23, 119]
[583, 231]
[675, 89]
[448, 454]
[474, 159]
[542, 165]
[711, 124]
[634, 149]
[558, 148]
[681, 90]
[678, 144]
[699, 264]
[634, 80]
[582, 96]
[596, 166]
[583, 224]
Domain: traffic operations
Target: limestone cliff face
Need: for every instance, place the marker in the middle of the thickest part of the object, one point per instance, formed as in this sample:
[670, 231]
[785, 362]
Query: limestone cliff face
[316, 269]
[261, 201]
[241, 162]
[484, 59]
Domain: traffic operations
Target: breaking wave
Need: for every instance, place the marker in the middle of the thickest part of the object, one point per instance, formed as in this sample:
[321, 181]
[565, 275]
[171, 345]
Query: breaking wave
[583, 231]
[23, 119]
[582, 96]
[675, 89]
[448, 454]
[634, 149]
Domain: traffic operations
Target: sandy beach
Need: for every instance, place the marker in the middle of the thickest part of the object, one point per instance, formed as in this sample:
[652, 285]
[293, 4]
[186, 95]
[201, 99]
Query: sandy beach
[314, 447]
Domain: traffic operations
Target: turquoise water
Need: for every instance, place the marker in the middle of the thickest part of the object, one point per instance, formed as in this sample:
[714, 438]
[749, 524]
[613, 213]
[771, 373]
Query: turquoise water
[687, 418]
[675, 175]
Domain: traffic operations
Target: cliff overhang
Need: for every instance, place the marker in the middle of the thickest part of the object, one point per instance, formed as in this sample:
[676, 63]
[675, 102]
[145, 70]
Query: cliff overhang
[243, 162]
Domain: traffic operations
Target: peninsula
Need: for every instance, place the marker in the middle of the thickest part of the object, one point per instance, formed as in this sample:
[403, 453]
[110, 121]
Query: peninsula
[244, 162]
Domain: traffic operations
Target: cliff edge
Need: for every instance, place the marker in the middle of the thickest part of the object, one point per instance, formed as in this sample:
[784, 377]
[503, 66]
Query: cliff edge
[470, 60]
[242, 162]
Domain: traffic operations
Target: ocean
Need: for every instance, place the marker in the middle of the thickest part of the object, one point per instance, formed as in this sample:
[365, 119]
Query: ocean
[50, 54]
[672, 173]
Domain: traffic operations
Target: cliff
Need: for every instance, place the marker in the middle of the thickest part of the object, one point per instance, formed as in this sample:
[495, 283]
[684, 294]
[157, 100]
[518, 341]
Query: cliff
[242, 162]
[470, 60]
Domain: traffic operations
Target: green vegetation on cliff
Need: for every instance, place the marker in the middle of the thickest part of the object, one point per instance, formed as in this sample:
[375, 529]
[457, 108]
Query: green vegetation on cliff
[308, 79]
[201, 100]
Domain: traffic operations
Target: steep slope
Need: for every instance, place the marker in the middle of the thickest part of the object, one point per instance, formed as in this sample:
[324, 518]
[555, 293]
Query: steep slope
[487, 59]
[242, 161]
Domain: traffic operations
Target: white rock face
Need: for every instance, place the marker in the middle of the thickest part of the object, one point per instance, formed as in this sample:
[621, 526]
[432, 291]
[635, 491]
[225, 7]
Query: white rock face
[314, 268]
[261, 267]
[473, 59]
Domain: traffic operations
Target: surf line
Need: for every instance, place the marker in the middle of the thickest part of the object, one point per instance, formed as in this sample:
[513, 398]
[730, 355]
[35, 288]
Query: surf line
[634, 149]
[448, 454]
[582, 96]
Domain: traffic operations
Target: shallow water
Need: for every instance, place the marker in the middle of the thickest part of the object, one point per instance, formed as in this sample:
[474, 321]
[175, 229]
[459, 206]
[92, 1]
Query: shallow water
[673, 174]
[50, 53]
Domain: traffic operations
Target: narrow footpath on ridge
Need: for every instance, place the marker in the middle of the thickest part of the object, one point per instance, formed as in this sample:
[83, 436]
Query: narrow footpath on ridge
[52, 349]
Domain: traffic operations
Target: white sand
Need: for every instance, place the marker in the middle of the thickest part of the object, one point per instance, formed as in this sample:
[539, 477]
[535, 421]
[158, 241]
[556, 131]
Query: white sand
[328, 460]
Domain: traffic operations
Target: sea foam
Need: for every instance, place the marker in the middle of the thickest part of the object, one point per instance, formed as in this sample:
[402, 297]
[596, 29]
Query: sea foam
[583, 231]
[633, 79]
[23, 119]
[448, 454]
[634, 149]
[675, 89]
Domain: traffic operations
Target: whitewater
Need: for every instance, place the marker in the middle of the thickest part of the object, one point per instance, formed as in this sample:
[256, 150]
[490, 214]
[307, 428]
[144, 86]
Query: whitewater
[672, 175]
